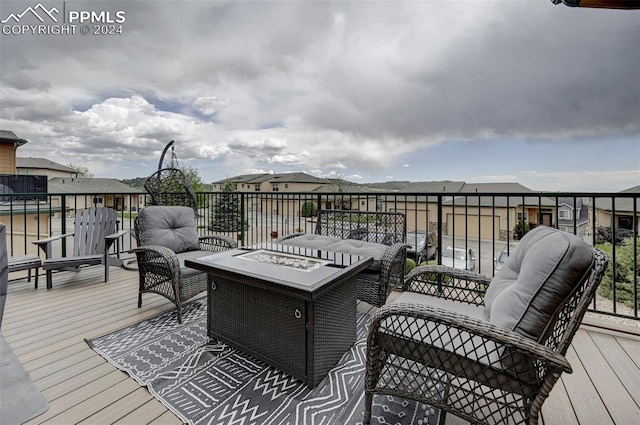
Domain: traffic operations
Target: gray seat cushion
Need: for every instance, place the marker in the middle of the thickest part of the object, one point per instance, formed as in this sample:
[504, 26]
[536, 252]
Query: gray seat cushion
[173, 227]
[471, 310]
[445, 337]
[536, 281]
[335, 244]
[189, 255]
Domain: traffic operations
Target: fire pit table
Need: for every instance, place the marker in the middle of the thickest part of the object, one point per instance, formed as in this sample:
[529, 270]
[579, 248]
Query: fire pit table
[292, 307]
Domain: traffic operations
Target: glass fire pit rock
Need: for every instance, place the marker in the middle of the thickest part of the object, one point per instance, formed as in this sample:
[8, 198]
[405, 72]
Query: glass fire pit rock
[287, 260]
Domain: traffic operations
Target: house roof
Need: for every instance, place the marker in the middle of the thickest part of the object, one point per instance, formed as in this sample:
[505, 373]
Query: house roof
[7, 136]
[635, 189]
[434, 186]
[89, 185]
[500, 201]
[332, 189]
[297, 178]
[275, 178]
[245, 178]
[494, 188]
[42, 163]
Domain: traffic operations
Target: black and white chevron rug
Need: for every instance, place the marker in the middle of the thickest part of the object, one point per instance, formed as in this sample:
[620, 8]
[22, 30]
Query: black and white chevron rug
[207, 382]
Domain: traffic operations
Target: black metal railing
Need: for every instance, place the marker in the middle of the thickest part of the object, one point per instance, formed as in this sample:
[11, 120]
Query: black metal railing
[28, 187]
[483, 224]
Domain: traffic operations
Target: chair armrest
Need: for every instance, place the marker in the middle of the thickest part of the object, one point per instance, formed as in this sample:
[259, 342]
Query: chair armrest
[289, 236]
[112, 237]
[392, 270]
[46, 244]
[447, 282]
[217, 243]
[159, 260]
[394, 319]
[41, 242]
[394, 256]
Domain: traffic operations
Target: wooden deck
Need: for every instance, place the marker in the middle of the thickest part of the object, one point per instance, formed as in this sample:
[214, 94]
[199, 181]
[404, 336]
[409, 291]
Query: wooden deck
[47, 328]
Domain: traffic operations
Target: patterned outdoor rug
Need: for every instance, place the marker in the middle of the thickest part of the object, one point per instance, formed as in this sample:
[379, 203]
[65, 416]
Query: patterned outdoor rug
[207, 382]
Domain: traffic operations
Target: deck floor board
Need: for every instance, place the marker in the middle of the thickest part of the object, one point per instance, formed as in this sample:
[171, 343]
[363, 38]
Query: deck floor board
[47, 331]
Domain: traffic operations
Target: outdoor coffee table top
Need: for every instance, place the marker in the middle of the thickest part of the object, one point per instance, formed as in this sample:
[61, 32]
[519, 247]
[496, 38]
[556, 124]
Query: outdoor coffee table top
[301, 270]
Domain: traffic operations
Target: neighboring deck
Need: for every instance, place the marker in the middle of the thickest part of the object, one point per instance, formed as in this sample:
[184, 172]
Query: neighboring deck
[47, 328]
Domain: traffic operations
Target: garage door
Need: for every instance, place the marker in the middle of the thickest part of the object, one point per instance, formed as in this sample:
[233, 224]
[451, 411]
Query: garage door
[485, 231]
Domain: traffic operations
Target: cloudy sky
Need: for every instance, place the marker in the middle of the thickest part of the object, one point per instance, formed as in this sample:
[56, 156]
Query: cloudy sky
[480, 91]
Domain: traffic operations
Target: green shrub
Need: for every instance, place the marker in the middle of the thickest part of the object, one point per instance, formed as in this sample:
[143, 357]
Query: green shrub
[410, 265]
[521, 229]
[308, 209]
[624, 273]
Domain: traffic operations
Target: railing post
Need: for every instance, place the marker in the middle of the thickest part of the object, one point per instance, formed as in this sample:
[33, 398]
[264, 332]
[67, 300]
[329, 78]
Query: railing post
[244, 220]
[63, 227]
[440, 229]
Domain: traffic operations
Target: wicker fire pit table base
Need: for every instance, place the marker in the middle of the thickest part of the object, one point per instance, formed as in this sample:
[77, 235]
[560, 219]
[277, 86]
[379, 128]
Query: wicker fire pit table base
[294, 308]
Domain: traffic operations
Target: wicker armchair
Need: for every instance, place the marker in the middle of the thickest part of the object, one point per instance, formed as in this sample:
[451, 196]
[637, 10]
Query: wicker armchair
[166, 236]
[488, 351]
[378, 234]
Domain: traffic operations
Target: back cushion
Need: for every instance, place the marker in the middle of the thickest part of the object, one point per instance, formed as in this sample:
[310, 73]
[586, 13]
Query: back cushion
[536, 281]
[173, 227]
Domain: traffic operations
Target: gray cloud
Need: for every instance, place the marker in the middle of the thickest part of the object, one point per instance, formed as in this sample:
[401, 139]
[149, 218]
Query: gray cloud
[315, 84]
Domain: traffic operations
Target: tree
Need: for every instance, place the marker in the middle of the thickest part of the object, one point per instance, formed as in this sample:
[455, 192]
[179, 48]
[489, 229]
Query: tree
[80, 169]
[194, 178]
[624, 272]
[340, 185]
[308, 209]
[225, 213]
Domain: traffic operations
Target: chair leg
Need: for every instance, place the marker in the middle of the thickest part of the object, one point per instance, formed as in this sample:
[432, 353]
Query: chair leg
[139, 299]
[368, 401]
[29, 275]
[49, 279]
[36, 278]
[179, 310]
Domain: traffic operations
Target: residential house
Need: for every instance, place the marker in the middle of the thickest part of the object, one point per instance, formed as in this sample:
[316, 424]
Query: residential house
[573, 216]
[29, 219]
[83, 192]
[622, 214]
[245, 183]
[9, 144]
[285, 184]
[483, 217]
[265, 182]
[43, 167]
[421, 210]
[486, 217]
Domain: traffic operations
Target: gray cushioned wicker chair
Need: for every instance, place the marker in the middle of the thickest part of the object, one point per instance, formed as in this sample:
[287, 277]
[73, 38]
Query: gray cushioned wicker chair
[488, 351]
[167, 235]
[377, 234]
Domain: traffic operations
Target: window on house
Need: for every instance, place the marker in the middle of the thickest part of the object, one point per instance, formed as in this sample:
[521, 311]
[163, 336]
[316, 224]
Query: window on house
[97, 200]
[564, 214]
[274, 187]
[257, 188]
[362, 203]
[286, 185]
